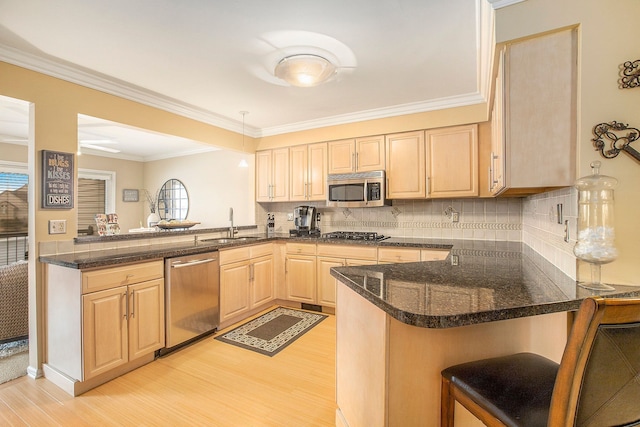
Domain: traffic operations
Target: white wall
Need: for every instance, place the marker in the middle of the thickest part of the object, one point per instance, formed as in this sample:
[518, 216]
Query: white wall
[214, 182]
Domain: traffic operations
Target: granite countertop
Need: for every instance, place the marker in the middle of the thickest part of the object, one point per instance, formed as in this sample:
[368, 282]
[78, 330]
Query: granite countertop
[478, 282]
[112, 257]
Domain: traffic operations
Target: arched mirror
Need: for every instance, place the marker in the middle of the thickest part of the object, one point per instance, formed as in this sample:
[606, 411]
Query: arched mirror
[173, 200]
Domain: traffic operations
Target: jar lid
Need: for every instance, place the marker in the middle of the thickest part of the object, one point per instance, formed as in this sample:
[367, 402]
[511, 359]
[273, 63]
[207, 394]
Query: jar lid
[595, 181]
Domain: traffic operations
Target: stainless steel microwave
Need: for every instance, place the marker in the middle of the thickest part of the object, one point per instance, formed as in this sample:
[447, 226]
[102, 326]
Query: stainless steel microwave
[357, 190]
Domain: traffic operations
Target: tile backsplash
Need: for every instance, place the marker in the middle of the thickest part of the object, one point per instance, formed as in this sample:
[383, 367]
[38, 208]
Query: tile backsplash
[544, 231]
[479, 219]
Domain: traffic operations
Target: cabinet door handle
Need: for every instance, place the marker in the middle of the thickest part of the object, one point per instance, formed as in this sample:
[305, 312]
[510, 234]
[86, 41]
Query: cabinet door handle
[251, 272]
[126, 305]
[490, 179]
[357, 161]
[492, 169]
[428, 187]
[286, 265]
[133, 305]
[353, 160]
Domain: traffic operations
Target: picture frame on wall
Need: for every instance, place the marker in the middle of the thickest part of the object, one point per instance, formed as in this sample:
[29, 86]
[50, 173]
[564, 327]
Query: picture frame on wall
[57, 180]
[130, 195]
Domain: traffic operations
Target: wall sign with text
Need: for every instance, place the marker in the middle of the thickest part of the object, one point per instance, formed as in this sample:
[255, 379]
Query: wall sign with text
[57, 180]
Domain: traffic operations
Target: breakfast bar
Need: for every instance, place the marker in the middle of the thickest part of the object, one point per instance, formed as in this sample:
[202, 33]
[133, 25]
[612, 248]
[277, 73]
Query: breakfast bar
[399, 325]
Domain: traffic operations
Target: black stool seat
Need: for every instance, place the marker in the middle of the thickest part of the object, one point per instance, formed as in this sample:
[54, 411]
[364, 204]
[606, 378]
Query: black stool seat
[516, 389]
[597, 383]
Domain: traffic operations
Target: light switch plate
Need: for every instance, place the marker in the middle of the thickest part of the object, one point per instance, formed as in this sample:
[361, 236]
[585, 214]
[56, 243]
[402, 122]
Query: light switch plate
[57, 226]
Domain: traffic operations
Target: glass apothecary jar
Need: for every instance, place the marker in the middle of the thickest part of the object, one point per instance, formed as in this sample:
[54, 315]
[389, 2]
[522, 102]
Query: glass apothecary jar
[596, 235]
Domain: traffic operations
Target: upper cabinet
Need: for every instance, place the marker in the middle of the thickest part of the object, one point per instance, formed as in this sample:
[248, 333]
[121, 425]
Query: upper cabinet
[357, 155]
[452, 161]
[405, 166]
[272, 175]
[436, 163]
[308, 172]
[534, 146]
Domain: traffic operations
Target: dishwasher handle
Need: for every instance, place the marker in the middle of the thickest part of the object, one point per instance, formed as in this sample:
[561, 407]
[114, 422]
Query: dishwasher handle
[180, 264]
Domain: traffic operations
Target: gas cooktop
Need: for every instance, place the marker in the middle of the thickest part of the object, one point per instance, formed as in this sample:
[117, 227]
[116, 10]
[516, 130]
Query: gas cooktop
[354, 235]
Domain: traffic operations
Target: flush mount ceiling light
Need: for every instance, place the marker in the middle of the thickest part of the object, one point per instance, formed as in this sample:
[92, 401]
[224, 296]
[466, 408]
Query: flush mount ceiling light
[305, 70]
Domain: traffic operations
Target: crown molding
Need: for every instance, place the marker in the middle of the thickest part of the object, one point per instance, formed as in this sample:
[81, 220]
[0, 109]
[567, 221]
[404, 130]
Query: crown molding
[378, 113]
[93, 80]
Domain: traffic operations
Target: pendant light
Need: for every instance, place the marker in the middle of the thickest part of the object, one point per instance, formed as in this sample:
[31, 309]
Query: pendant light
[243, 163]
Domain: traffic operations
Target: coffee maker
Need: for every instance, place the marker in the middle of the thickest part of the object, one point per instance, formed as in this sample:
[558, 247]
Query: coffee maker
[306, 221]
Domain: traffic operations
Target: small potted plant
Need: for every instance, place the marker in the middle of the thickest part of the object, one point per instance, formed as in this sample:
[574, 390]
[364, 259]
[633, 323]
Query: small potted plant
[152, 200]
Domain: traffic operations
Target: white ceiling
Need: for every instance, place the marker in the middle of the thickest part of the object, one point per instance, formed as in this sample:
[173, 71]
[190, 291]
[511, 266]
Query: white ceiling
[211, 59]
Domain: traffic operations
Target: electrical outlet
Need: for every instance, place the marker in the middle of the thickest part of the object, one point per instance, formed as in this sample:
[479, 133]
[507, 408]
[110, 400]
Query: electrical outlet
[289, 217]
[57, 226]
[455, 260]
[455, 216]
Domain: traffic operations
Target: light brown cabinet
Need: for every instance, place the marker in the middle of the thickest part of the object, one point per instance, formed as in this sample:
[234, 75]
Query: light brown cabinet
[452, 161]
[300, 272]
[246, 279]
[534, 116]
[400, 255]
[308, 172]
[272, 175]
[102, 322]
[436, 163]
[357, 155]
[122, 324]
[406, 173]
[338, 256]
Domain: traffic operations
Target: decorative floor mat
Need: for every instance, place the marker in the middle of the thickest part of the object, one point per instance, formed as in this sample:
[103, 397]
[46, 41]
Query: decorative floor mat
[273, 331]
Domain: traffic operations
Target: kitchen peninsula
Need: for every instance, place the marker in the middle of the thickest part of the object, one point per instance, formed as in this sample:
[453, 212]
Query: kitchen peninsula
[399, 325]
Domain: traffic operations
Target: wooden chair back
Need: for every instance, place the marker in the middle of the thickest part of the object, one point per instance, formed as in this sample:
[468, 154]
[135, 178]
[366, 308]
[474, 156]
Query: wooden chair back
[598, 382]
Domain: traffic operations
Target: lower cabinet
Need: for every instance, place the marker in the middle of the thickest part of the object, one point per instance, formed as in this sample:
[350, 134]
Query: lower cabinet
[122, 324]
[300, 278]
[300, 272]
[400, 255]
[338, 256]
[326, 282]
[246, 283]
[103, 322]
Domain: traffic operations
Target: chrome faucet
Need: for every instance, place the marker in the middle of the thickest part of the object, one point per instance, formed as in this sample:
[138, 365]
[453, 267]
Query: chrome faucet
[232, 230]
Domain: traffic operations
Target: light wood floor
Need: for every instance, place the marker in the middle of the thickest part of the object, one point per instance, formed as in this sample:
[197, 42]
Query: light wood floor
[209, 383]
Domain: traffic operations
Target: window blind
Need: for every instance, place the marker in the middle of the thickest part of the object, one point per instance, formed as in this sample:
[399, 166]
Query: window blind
[91, 201]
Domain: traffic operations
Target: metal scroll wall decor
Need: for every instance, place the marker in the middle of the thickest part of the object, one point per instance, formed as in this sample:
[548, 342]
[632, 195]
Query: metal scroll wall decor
[619, 136]
[630, 74]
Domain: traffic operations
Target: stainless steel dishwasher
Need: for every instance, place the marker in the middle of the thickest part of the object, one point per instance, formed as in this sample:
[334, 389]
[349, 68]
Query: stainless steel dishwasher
[192, 297]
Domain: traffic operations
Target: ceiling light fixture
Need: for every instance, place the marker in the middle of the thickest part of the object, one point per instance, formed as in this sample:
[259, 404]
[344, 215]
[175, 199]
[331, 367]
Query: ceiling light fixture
[305, 70]
[99, 147]
[243, 162]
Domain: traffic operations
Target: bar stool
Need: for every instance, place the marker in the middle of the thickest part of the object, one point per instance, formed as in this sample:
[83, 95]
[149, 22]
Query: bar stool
[596, 384]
